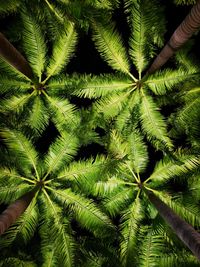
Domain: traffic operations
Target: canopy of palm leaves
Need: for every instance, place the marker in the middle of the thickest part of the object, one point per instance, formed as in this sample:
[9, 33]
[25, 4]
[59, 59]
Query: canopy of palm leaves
[95, 210]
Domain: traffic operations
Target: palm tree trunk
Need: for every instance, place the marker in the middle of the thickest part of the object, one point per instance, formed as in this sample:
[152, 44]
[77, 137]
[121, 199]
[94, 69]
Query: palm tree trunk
[13, 57]
[184, 31]
[14, 210]
[189, 236]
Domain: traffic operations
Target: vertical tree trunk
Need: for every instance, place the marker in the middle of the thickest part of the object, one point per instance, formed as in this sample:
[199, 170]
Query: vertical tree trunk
[189, 236]
[14, 210]
[10, 54]
[184, 31]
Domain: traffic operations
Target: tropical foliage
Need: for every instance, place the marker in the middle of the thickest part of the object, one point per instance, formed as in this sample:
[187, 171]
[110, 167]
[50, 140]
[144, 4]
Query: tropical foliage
[92, 143]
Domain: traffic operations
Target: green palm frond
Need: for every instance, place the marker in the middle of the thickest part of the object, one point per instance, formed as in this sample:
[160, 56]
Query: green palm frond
[118, 201]
[9, 6]
[16, 103]
[17, 262]
[61, 110]
[9, 84]
[79, 169]
[163, 81]
[117, 146]
[110, 46]
[153, 123]
[34, 44]
[22, 148]
[110, 106]
[137, 152]
[86, 212]
[38, 118]
[147, 31]
[100, 86]
[166, 169]
[60, 153]
[57, 242]
[106, 188]
[129, 227]
[62, 50]
[24, 228]
[151, 249]
[64, 84]
[9, 194]
[178, 259]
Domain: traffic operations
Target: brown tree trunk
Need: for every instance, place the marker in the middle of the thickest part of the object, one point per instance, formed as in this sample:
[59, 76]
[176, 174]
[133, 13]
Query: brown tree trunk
[14, 210]
[10, 54]
[184, 31]
[189, 236]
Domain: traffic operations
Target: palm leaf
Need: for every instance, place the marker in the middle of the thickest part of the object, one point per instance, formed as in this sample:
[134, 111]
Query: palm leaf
[146, 31]
[153, 123]
[57, 242]
[86, 212]
[22, 148]
[110, 46]
[166, 169]
[34, 44]
[100, 86]
[17, 262]
[129, 227]
[110, 106]
[163, 81]
[137, 152]
[9, 6]
[38, 118]
[60, 153]
[61, 110]
[62, 50]
[9, 84]
[119, 200]
[16, 103]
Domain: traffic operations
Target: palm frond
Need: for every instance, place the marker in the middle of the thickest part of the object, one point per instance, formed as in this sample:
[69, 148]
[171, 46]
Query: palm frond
[17, 262]
[34, 43]
[147, 31]
[118, 147]
[9, 84]
[57, 242]
[85, 168]
[9, 6]
[110, 46]
[9, 193]
[164, 81]
[152, 247]
[166, 169]
[110, 106]
[16, 103]
[100, 86]
[129, 226]
[38, 118]
[153, 123]
[118, 201]
[64, 85]
[60, 153]
[21, 147]
[137, 151]
[86, 212]
[62, 50]
[61, 110]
